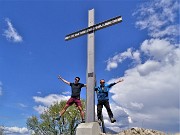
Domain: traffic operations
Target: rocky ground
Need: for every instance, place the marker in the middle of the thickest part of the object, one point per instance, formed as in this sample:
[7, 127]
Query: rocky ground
[138, 131]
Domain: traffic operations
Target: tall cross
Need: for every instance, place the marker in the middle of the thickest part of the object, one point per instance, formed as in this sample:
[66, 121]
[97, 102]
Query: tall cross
[90, 101]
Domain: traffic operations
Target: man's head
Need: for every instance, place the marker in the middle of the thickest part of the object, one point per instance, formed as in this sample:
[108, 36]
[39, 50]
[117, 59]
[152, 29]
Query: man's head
[77, 79]
[102, 82]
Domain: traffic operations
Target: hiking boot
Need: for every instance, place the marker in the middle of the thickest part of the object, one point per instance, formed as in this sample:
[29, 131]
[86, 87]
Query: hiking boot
[58, 118]
[112, 120]
[99, 121]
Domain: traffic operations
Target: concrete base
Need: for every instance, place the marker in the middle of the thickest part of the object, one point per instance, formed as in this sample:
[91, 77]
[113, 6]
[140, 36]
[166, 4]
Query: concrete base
[88, 129]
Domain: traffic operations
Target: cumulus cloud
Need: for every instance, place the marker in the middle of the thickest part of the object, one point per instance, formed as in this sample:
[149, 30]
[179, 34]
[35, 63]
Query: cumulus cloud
[150, 91]
[15, 130]
[148, 67]
[11, 34]
[157, 48]
[47, 101]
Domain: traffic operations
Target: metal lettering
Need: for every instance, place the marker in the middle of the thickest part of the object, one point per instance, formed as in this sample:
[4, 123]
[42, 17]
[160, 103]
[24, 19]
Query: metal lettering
[77, 34]
[82, 32]
[94, 28]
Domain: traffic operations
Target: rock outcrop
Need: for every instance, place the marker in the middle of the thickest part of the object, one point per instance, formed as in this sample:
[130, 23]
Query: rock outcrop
[138, 131]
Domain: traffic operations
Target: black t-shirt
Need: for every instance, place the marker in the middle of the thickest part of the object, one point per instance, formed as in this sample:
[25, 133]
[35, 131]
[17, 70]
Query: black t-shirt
[76, 89]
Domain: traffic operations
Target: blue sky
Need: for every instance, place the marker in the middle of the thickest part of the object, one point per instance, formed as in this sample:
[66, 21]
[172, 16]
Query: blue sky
[143, 49]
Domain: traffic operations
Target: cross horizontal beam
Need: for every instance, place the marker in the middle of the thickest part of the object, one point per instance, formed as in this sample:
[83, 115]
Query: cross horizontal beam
[94, 28]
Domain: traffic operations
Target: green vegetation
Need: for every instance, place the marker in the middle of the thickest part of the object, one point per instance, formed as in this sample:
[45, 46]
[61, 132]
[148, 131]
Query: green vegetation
[47, 126]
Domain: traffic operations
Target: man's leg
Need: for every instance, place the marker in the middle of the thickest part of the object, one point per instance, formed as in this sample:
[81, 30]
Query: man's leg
[69, 103]
[79, 106]
[62, 112]
[99, 110]
[81, 113]
[64, 109]
[106, 104]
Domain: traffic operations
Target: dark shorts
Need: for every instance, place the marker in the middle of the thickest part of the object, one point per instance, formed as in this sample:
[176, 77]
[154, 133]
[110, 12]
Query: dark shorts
[73, 100]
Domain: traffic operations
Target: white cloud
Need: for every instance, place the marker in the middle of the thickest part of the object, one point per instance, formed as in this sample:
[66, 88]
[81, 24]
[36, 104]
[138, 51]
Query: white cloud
[135, 105]
[66, 93]
[119, 58]
[11, 33]
[158, 17]
[47, 101]
[50, 99]
[111, 64]
[148, 67]
[40, 109]
[172, 30]
[157, 48]
[16, 130]
[150, 91]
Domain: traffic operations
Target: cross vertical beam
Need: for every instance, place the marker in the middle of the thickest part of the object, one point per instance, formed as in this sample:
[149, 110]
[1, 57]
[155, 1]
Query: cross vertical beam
[90, 101]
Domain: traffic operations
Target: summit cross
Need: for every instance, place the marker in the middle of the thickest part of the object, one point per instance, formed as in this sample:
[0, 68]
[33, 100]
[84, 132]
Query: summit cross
[90, 30]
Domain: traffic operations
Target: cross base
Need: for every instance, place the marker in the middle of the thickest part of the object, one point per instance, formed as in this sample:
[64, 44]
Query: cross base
[91, 128]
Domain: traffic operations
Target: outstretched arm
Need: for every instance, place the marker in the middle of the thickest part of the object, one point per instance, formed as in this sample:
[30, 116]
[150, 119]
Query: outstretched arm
[121, 80]
[60, 78]
[112, 84]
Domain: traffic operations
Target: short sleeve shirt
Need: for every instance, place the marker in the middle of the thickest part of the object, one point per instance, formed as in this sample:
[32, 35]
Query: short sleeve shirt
[76, 89]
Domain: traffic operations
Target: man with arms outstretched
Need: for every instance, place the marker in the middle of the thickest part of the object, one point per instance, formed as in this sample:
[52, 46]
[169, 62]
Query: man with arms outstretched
[75, 97]
[102, 95]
